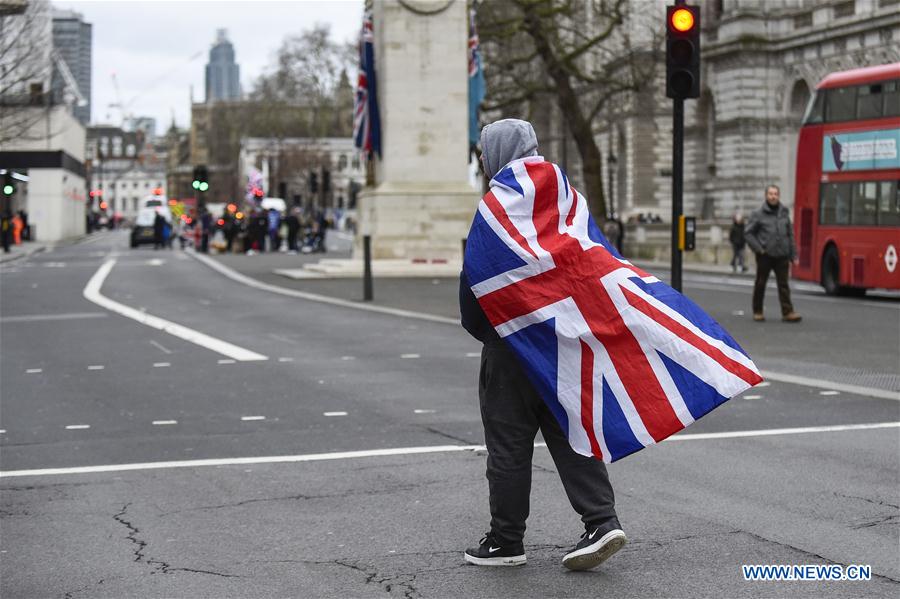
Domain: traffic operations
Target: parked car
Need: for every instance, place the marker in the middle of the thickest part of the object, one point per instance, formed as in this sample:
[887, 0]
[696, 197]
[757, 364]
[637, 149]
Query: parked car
[142, 231]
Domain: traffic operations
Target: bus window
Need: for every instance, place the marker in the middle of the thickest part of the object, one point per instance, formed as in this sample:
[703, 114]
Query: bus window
[865, 203]
[835, 204]
[868, 104]
[815, 109]
[891, 97]
[841, 104]
[889, 203]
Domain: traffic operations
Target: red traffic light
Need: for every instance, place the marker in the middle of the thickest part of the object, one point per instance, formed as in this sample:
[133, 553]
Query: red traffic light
[682, 20]
[103, 205]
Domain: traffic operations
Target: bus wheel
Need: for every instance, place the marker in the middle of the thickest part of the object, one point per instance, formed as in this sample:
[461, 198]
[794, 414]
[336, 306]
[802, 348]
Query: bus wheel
[831, 272]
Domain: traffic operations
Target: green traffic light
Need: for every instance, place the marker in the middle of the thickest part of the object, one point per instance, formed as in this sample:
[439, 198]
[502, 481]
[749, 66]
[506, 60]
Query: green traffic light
[195, 184]
[8, 190]
[203, 186]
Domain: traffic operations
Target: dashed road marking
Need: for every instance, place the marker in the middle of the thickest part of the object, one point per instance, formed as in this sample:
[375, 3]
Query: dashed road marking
[96, 367]
[247, 418]
[830, 385]
[763, 384]
[424, 411]
[285, 359]
[225, 361]
[473, 354]
[830, 392]
[752, 396]
[76, 427]
[334, 413]
[164, 422]
[34, 371]
[160, 346]
[161, 364]
[399, 451]
[345, 358]
[410, 356]
[2, 431]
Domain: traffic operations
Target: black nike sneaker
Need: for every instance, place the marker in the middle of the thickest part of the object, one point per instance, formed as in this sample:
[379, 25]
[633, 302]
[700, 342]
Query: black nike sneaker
[491, 553]
[596, 546]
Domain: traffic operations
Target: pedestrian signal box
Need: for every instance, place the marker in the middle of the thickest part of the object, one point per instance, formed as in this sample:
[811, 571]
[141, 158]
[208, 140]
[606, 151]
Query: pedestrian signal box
[9, 184]
[687, 233]
[682, 51]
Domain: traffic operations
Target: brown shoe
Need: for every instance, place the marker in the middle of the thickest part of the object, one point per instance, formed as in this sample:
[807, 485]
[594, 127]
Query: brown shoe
[791, 317]
[758, 317]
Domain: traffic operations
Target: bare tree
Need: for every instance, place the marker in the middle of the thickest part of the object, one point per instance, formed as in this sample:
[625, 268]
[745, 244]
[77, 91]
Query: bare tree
[25, 70]
[585, 55]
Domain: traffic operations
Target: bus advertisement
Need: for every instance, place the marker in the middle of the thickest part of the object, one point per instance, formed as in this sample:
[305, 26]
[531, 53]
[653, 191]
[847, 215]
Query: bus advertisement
[847, 197]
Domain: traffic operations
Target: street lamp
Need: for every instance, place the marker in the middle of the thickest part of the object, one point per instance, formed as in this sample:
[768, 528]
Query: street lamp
[611, 163]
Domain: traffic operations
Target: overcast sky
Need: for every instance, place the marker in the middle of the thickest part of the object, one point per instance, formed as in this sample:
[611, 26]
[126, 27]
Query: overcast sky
[158, 49]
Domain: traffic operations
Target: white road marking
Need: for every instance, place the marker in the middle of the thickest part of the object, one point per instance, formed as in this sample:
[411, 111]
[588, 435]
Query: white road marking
[2, 431]
[34, 371]
[45, 317]
[247, 418]
[76, 427]
[225, 361]
[92, 293]
[473, 354]
[737, 313]
[164, 422]
[96, 367]
[402, 451]
[423, 411]
[285, 359]
[160, 346]
[829, 392]
[155, 262]
[54, 264]
[313, 297]
[823, 384]
[762, 384]
[752, 396]
[334, 413]
[161, 364]
[345, 358]
[410, 356]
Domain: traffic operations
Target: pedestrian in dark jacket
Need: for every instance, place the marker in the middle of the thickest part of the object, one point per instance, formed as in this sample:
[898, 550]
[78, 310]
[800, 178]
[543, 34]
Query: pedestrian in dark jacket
[736, 237]
[159, 231]
[512, 412]
[771, 237]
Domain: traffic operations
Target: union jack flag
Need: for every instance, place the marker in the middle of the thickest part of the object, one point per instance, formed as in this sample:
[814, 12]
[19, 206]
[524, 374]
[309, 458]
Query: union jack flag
[620, 358]
[366, 120]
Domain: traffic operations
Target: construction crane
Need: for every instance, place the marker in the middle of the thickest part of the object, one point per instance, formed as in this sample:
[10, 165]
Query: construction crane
[67, 76]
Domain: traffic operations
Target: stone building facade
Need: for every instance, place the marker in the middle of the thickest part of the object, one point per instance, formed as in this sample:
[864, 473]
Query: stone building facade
[761, 61]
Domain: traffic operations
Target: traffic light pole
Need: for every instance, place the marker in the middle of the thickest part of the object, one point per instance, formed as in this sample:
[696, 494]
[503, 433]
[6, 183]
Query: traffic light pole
[677, 187]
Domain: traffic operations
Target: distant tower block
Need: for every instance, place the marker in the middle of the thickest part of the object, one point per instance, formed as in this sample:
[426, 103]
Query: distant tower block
[422, 203]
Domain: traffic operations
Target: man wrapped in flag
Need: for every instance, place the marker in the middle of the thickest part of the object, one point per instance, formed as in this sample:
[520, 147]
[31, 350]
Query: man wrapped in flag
[601, 357]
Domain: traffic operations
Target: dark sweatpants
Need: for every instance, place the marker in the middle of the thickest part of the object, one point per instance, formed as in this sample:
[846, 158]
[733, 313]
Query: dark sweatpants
[782, 267]
[512, 413]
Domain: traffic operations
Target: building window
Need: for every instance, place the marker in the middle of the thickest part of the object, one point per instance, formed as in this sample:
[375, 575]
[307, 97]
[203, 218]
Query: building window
[803, 20]
[342, 162]
[844, 9]
[134, 204]
[130, 150]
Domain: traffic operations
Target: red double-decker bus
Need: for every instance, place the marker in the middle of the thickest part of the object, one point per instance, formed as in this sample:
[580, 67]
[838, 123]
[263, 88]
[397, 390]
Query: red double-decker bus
[847, 199]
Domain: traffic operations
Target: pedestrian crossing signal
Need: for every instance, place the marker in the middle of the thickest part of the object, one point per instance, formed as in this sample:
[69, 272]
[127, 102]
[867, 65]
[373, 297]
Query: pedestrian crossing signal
[682, 51]
[201, 178]
[9, 184]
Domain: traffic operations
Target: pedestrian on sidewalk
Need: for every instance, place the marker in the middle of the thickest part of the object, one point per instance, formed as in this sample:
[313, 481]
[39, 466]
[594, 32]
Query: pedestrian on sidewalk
[736, 237]
[293, 228]
[512, 412]
[159, 231]
[770, 235]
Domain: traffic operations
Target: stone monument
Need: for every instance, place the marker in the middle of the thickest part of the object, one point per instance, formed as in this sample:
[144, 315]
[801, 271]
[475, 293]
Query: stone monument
[422, 203]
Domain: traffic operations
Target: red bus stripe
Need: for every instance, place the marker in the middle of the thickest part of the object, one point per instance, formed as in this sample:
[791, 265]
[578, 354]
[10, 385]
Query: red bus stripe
[729, 364]
[587, 398]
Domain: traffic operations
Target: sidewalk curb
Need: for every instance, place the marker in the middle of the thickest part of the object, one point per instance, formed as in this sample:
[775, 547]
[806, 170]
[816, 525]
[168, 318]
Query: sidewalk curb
[4, 258]
[315, 297]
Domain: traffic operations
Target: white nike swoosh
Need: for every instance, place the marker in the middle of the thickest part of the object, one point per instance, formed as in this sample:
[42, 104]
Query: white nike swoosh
[493, 549]
[591, 536]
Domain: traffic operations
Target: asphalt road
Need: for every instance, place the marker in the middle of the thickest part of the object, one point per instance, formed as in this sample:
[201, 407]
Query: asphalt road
[84, 386]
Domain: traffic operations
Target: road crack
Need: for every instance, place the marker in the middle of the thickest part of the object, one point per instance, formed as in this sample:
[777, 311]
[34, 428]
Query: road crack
[159, 566]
